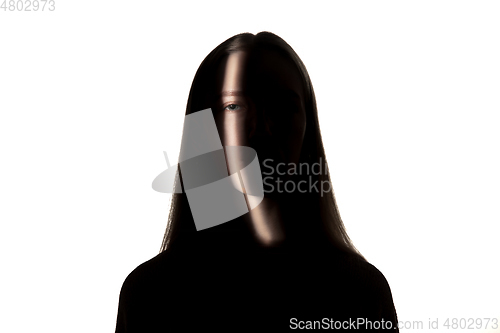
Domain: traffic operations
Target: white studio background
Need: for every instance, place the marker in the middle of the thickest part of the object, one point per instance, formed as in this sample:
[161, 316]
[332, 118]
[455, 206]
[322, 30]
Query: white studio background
[91, 94]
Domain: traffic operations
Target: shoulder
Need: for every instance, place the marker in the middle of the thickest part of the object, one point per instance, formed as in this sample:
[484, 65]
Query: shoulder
[146, 275]
[142, 292]
[366, 275]
[367, 271]
[376, 290]
[360, 285]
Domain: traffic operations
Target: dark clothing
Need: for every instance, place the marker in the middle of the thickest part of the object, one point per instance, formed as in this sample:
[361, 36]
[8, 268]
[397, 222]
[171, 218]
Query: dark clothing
[231, 284]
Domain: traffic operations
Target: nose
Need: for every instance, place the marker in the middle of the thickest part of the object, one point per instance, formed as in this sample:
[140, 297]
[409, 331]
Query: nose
[260, 126]
[261, 136]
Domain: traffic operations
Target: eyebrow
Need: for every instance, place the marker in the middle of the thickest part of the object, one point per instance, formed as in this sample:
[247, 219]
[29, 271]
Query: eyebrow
[219, 97]
[282, 92]
[230, 93]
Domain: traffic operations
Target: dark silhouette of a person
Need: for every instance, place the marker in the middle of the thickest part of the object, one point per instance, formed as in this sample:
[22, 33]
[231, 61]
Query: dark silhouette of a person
[288, 263]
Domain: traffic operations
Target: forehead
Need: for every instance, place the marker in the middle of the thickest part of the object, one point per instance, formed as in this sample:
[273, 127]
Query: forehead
[258, 72]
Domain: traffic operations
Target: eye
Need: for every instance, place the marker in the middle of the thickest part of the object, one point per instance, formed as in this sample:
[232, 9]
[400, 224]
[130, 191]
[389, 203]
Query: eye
[232, 107]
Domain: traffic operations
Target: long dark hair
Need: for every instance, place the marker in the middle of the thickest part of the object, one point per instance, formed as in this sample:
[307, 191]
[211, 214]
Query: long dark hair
[317, 213]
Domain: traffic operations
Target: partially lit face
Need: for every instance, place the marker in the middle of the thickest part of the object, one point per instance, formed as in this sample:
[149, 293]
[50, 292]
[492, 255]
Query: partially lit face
[261, 105]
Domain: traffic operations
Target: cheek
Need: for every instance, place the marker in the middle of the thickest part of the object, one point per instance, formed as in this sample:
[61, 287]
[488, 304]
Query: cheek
[301, 124]
[219, 122]
[295, 137]
[232, 128]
